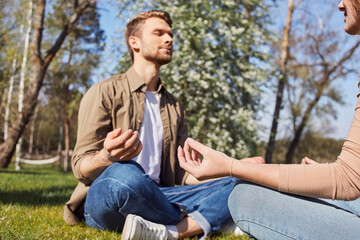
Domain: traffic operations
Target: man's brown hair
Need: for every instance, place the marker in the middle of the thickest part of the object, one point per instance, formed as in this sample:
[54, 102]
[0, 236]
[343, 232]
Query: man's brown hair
[133, 28]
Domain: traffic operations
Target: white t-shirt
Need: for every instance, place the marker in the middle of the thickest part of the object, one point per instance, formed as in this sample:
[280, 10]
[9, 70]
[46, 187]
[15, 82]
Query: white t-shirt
[151, 137]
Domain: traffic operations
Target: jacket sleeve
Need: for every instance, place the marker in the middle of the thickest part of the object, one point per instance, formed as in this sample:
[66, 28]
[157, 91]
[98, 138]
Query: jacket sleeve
[181, 174]
[94, 122]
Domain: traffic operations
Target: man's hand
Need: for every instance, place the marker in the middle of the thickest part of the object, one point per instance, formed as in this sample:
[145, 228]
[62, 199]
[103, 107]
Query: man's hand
[307, 160]
[124, 146]
[258, 160]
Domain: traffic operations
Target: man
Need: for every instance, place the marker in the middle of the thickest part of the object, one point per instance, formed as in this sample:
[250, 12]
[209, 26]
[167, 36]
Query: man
[129, 130]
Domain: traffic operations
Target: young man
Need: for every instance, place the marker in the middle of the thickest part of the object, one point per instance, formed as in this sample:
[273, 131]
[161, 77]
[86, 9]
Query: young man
[129, 130]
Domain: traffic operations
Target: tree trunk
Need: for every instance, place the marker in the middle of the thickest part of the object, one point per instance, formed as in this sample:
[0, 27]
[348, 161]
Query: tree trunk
[32, 130]
[11, 89]
[67, 144]
[67, 97]
[281, 84]
[299, 130]
[22, 78]
[39, 66]
[9, 98]
[60, 143]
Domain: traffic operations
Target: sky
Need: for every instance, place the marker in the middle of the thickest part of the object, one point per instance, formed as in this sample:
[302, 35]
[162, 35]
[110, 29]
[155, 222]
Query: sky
[112, 25]
[347, 85]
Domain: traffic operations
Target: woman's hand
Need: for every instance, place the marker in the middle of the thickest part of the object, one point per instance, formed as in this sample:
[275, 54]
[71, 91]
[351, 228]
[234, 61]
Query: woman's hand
[203, 162]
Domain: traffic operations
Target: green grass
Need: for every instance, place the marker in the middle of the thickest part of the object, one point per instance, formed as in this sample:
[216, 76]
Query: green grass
[32, 201]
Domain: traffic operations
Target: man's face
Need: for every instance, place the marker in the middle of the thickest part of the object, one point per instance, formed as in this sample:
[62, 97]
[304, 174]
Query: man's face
[156, 41]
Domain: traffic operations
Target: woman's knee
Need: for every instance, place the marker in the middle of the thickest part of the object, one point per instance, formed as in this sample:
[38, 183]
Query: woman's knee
[238, 198]
[247, 199]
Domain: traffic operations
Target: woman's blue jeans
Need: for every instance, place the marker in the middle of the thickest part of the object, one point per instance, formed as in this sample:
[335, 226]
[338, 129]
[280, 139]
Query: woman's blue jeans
[124, 188]
[264, 213]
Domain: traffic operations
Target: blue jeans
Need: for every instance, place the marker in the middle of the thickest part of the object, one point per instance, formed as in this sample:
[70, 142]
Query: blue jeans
[124, 188]
[264, 213]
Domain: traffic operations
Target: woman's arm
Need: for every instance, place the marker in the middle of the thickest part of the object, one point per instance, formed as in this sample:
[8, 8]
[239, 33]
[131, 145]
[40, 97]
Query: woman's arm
[216, 164]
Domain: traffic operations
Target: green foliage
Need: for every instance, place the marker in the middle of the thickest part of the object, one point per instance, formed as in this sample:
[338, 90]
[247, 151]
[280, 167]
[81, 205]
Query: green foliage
[218, 65]
[31, 206]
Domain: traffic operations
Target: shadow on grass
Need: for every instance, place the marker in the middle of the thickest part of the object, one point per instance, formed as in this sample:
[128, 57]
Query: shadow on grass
[37, 197]
[25, 172]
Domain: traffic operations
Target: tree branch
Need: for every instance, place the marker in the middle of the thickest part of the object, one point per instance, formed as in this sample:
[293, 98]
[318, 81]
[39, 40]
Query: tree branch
[345, 57]
[79, 10]
[35, 46]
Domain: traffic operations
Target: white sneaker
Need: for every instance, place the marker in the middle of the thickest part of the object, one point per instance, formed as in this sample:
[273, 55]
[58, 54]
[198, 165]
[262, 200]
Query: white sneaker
[232, 228]
[137, 228]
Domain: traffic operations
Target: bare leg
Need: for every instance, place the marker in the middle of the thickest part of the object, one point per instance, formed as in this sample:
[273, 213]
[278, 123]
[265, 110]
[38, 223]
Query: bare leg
[188, 228]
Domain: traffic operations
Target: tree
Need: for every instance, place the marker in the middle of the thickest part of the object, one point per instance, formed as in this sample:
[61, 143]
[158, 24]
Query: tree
[320, 56]
[328, 69]
[22, 77]
[9, 55]
[39, 66]
[284, 57]
[10, 90]
[313, 145]
[32, 130]
[218, 64]
[78, 58]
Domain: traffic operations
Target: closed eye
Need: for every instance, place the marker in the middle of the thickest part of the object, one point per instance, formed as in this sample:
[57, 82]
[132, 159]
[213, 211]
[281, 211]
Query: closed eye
[158, 32]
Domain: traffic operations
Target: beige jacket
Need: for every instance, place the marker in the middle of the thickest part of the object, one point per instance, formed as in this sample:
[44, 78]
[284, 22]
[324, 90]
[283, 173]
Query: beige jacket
[118, 102]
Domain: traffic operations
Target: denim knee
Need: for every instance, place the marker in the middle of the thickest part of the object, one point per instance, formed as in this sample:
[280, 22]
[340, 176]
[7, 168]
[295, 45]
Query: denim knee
[123, 170]
[120, 180]
[124, 188]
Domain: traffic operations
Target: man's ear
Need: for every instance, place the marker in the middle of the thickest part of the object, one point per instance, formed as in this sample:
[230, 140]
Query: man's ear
[134, 43]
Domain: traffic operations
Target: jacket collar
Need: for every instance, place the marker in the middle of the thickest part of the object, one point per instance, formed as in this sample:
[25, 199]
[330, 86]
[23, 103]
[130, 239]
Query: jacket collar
[136, 82]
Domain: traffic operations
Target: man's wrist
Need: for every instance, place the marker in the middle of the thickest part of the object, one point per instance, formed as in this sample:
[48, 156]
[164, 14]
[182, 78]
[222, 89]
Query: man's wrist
[105, 156]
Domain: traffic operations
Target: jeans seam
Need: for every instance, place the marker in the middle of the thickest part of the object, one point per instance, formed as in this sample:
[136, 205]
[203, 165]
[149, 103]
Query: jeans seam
[208, 196]
[352, 210]
[265, 226]
[194, 190]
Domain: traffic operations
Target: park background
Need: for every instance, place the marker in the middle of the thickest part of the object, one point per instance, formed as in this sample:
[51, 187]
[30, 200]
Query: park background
[231, 61]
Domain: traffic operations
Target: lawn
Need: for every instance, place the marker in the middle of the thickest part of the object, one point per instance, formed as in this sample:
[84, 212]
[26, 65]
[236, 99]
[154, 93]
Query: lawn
[32, 201]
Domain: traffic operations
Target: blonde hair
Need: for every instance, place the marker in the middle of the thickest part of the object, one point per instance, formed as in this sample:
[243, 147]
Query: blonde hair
[133, 28]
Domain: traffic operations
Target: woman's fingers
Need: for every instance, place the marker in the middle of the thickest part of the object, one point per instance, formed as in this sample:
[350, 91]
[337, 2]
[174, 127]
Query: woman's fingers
[183, 161]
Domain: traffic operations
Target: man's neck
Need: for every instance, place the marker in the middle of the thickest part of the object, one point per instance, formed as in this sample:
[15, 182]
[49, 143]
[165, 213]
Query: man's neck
[149, 72]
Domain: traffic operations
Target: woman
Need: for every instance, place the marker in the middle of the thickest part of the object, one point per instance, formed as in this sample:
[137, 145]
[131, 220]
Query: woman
[289, 201]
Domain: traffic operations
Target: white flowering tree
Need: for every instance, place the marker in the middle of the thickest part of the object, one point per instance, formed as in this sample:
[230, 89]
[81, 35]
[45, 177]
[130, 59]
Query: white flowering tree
[218, 64]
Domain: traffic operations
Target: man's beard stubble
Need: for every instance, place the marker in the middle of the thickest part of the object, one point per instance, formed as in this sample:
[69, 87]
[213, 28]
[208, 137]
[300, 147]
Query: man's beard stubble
[154, 55]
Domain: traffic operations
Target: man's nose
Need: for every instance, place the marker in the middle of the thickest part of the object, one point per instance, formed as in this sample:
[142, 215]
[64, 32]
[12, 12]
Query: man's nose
[168, 38]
